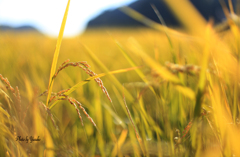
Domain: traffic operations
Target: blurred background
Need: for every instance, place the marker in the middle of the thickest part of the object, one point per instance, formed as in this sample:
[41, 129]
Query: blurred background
[46, 16]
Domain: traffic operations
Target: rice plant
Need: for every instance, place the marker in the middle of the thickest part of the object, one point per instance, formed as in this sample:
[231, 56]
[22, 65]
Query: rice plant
[169, 93]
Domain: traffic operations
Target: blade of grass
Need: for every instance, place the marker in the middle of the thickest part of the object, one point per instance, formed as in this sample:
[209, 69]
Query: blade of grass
[114, 115]
[121, 140]
[4, 112]
[48, 143]
[230, 6]
[135, 128]
[202, 79]
[132, 63]
[145, 118]
[161, 71]
[233, 22]
[105, 69]
[56, 53]
[97, 76]
[164, 73]
[148, 22]
[165, 31]
[187, 14]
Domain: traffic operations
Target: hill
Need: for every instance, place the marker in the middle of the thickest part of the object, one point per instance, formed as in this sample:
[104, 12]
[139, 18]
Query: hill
[116, 18]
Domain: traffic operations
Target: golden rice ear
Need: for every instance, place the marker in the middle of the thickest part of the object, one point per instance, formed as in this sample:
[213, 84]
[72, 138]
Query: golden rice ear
[72, 89]
[79, 114]
[15, 93]
[87, 70]
[50, 114]
[72, 101]
[85, 112]
[8, 86]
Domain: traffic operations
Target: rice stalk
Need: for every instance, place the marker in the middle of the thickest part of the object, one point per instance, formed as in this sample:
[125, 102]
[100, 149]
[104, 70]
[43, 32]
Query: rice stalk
[18, 97]
[111, 77]
[134, 127]
[89, 79]
[160, 70]
[226, 102]
[152, 24]
[56, 53]
[204, 66]
[187, 15]
[120, 141]
[133, 64]
[165, 31]
[188, 127]
[25, 113]
[214, 132]
[4, 111]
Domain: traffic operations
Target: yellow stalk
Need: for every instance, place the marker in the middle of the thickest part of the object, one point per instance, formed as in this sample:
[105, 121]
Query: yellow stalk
[56, 53]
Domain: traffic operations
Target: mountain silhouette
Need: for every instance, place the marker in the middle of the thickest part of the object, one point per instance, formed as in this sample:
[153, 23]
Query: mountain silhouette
[116, 18]
[22, 28]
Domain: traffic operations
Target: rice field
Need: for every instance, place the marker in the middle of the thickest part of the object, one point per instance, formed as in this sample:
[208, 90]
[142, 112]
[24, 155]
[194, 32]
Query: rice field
[122, 92]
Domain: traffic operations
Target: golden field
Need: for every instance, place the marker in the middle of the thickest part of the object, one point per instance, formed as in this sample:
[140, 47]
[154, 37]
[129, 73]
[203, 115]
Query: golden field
[180, 99]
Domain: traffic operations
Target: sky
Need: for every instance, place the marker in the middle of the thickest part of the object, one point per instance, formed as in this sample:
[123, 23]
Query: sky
[46, 15]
